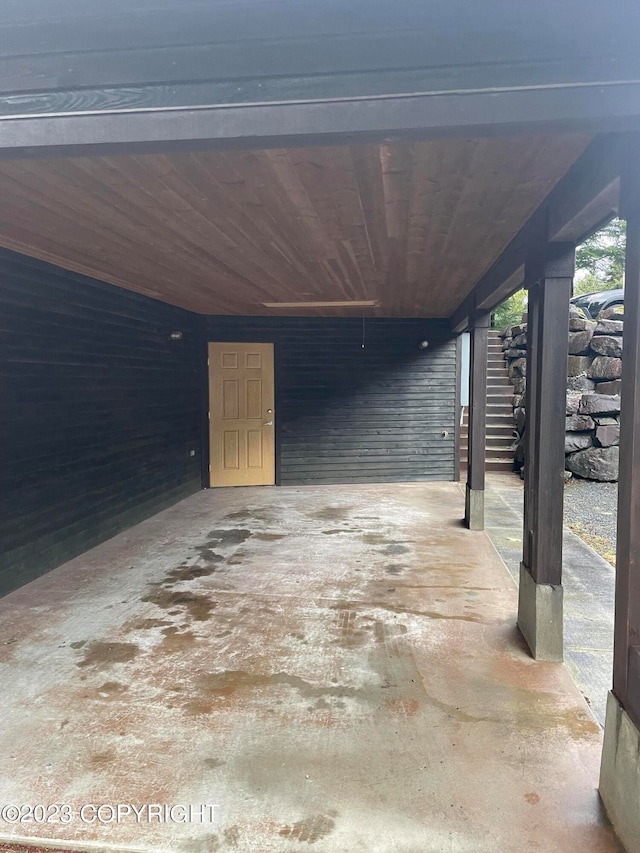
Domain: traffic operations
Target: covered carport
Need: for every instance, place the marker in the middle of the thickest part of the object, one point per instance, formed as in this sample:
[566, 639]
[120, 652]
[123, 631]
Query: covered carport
[326, 665]
[350, 191]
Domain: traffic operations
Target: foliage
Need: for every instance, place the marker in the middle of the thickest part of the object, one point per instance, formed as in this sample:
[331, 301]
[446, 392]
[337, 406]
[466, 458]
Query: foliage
[599, 266]
[600, 259]
[591, 284]
[510, 311]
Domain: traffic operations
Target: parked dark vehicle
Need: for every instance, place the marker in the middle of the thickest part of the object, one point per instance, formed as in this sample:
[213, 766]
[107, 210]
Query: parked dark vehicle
[594, 303]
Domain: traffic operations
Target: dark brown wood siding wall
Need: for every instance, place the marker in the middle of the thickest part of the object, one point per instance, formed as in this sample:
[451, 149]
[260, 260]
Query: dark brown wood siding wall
[345, 414]
[100, 412]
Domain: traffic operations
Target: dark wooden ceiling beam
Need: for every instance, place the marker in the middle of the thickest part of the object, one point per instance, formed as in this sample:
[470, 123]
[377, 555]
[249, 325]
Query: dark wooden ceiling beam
[506, 272]
[589, 194]
[586, 198]
[297, 124]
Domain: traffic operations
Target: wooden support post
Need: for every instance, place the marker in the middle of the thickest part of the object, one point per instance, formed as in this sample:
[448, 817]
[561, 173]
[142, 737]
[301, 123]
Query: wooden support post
[626, 660]
[540, 600]
[533, 276]
[474, 499]
[458, 410]
[620, 770]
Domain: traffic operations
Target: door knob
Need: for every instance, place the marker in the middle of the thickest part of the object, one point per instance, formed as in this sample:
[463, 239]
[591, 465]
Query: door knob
[267, 423]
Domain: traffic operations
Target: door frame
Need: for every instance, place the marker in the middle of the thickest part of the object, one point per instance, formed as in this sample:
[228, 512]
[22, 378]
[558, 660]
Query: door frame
[207, 426]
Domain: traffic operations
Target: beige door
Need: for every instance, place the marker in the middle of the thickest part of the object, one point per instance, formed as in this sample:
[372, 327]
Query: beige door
[241, 404]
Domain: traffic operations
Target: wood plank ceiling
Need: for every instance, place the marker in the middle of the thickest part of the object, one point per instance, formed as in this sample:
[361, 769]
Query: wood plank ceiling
[411, 226]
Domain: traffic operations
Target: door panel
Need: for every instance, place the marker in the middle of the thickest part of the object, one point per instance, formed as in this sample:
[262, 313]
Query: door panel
[242, 421]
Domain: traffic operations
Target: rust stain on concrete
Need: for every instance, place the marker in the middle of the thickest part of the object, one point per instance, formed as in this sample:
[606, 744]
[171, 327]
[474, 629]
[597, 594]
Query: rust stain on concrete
[311, 829]
[100, 654]
[213, 763]
[188, 573]
[110, 690]
[228, 682]
[176, 641]
[338, 531]
[198, 605]
[102, 759]
[403, 707]
[226, 537]
[330, 513]
[146, 624]
[374, 539]
[237, 558]
[269, 537]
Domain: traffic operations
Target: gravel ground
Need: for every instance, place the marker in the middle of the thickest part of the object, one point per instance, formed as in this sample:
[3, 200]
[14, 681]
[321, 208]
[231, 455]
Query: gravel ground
[590, 511]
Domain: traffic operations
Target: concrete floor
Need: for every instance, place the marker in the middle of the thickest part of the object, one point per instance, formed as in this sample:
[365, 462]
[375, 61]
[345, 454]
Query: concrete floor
[335, 668]
[589, 590]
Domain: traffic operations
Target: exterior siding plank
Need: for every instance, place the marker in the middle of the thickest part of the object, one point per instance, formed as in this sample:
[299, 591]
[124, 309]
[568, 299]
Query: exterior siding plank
[101, 412]
[345, 414]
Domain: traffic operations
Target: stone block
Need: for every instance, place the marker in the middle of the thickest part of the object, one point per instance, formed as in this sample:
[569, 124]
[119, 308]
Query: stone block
[578, 364]
[518, 329]
[608, 436]
[515, 353]
[574, 441]
[574, 399]
[579, 423]
[520, 417]
[596, 404]
[519, 384]
[517, 400]
[581, 382]
[607, 345]
[520, 341]
[579, 342]
[581, 324]
[605, 420]
[595, 463]
[575, 312]
[613, 313]
[518, 453]
[609, 327]
[604, 367]
[506, 343]
[610, 387]
[518, 367]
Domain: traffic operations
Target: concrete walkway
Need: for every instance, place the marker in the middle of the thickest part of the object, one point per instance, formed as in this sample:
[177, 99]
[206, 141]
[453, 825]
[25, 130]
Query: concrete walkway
[334, 668]
[589, 591]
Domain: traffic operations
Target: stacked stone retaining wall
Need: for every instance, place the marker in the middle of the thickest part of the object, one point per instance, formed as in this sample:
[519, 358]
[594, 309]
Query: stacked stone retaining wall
[593, 393]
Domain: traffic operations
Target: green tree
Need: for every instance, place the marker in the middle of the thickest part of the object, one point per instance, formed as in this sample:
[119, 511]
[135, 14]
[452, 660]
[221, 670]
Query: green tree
[599, 266]
[510, 311]
[600, 259]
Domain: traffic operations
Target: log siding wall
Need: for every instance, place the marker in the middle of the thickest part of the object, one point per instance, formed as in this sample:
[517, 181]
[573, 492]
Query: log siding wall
[100, 412]
[345, 414]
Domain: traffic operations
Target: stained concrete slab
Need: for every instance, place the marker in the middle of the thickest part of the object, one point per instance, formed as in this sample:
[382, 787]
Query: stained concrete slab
[588, 591]
[334, 666]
